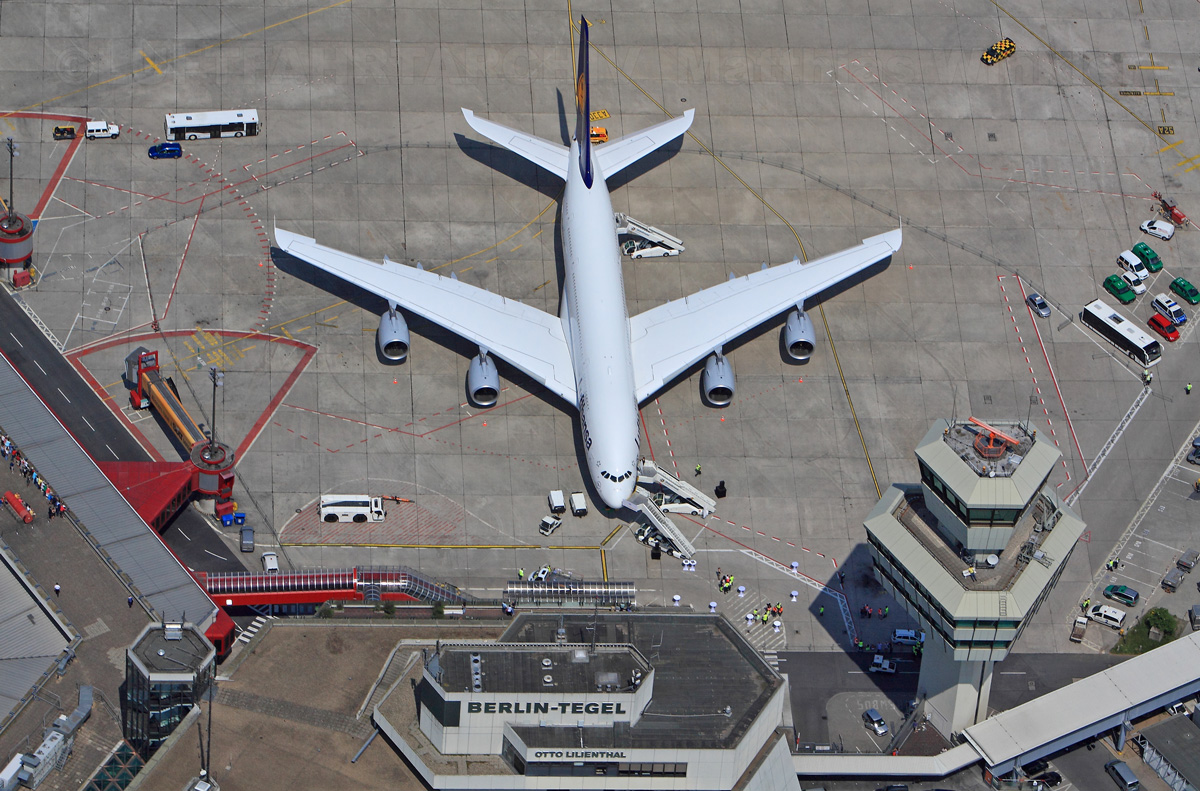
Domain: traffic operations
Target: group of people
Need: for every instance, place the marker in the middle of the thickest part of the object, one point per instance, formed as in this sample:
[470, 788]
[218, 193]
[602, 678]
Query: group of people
[725, 583]
[18, 463]
[765, 615]
[867, 611]
[1111, 564]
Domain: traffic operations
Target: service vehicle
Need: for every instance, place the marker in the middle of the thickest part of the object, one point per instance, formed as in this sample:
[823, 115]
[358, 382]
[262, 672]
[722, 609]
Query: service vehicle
[549, 525]
[1131, 263]
[644, 248]
[556, 501]
[578, 504]
[881, 665]
[165, 151]
[96, 129]
[1121, 332]
[64, 133]
[1079, 628]
[998, 51]
[218, 123]
[1039, 306]
[1109, 616]
[1184, 289]
[1176, 708]
[541, 574]
[1148, 256]
[598, 134]
[351, 508]
[1122, 594]
[1160, 228]
[270, 562]
[1163, 326]
[1115, 285]
[247, 544]
[1169, 308]
[1187, 561]
[1122, 775]
[1134, 282]
[908, 637]
[1049, 779]
[874, 722]
[1194, 616]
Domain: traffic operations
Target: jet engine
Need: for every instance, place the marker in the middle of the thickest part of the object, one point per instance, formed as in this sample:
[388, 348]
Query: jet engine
[798, 336]
[483, 380]
[717, 381]
[392, 335]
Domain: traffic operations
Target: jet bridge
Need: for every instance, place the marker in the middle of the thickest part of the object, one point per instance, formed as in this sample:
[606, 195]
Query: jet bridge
[649, 242]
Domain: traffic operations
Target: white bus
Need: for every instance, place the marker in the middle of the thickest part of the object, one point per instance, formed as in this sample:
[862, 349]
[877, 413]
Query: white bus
[351, 508]
[218, 123]
[1121, 332]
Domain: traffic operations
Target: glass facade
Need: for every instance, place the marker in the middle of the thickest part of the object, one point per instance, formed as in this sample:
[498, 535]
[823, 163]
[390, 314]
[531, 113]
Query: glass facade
[972, 517]
[151, 710]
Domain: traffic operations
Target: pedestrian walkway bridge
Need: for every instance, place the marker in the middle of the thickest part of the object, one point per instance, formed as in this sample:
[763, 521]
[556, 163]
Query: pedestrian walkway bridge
[368, 584]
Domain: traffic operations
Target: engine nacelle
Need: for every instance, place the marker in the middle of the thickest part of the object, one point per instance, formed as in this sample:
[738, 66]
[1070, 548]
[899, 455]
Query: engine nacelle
[392, 335]
[798, 336]
[483, 380]
[717, 382]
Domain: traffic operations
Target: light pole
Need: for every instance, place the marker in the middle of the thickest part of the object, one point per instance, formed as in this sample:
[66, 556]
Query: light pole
[13, 153]
[218, 379]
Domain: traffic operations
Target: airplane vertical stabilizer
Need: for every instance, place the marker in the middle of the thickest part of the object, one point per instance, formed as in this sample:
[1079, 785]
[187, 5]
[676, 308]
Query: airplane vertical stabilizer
[583, 114]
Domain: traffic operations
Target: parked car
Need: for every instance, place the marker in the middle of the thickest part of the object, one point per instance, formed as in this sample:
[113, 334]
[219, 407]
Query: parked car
[1184, 289]
[1134, 282]
[1148, 256]
[1039, 306]
[64, 133]
[1049, 779]
[1121, 593]
[1160, 228]
[873, 721]
[1114, 285]
[1169, 308]
[165, 151]
[1193, 456]
[101, 129]
[1131, 263]
[1163, 327]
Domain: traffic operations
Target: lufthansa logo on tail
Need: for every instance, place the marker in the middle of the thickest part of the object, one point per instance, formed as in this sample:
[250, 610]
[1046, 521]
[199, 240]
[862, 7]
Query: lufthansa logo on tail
[581, 92]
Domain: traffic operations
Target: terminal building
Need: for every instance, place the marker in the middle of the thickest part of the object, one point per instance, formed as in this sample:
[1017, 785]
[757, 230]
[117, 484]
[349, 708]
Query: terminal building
[971, 552]
[602, 701]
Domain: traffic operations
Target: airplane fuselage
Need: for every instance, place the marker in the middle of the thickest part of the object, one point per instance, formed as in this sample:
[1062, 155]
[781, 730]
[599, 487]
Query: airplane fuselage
[596, 323]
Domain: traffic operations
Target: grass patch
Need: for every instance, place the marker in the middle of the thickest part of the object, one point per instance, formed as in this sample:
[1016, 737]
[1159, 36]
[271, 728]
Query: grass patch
[1137, 640]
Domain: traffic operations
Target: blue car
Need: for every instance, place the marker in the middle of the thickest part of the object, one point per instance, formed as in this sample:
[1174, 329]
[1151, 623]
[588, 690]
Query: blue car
[165, 151]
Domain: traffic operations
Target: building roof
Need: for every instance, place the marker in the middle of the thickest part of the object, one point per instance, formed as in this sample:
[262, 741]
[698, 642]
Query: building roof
[574, 670]
[113, 526]
[1007, 476]
[1133, 687]
[32, 635]
[1177, 740]
[1040, 543]
[709, 684]
[174, 650]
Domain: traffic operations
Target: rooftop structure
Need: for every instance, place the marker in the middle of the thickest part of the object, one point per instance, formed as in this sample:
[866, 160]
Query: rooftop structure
[613, 701]
[167, 669]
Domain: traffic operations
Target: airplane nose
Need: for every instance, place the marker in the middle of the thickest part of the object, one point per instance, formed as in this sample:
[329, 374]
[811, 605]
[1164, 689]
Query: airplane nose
[614, 494]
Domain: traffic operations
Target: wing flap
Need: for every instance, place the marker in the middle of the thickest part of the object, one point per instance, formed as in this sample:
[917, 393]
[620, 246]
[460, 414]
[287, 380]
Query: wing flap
[666, 340]
[529, 339]
[554, 157]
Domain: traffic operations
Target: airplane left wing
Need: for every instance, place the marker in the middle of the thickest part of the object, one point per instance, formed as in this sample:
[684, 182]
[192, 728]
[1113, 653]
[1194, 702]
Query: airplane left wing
[667, 339]
[525, 337]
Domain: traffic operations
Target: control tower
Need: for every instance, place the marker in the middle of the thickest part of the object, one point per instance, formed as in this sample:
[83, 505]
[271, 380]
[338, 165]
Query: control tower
[971, 552]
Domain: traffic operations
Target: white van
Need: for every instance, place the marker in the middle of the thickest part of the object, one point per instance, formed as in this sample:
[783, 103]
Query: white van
[1169, 309]
[908, 637]
[101, 129]
[557, 502]
[270, 562]
[351, 508]
[578, 504]
[1132, 264]
[1109, 616]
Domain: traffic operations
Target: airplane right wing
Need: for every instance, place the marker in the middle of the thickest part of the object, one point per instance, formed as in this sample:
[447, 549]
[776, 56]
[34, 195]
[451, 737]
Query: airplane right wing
[551, 156]
[529, 339]
[667, 339]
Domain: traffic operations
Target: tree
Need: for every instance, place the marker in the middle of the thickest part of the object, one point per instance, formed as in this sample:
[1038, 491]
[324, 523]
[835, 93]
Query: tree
[1161, 618]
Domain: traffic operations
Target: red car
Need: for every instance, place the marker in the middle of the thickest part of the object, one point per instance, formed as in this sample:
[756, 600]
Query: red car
[1164, 327]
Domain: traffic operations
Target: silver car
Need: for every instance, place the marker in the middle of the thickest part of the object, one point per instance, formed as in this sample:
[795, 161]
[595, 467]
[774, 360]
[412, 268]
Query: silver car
[1038, 305]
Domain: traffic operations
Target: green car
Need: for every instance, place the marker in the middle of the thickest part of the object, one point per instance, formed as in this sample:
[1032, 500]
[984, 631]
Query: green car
[1114, 285]
[1121, 593]
[1148, 256]
[1185, 290]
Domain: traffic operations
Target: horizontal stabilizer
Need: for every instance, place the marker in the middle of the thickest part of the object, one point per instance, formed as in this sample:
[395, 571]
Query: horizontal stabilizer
[543, 153]
[615, 156]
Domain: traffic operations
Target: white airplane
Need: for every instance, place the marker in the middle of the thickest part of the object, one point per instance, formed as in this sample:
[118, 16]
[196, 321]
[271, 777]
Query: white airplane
[594, 356]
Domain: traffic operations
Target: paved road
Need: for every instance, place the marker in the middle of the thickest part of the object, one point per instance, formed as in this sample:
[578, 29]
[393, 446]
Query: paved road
[93, 425]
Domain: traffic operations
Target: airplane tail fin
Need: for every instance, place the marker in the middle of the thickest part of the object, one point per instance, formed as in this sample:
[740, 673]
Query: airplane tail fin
[583, 115]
